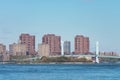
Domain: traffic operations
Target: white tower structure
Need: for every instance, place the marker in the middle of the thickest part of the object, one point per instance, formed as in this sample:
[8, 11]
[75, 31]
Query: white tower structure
[97, 52]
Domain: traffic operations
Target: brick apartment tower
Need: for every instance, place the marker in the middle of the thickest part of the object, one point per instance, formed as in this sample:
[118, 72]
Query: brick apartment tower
[54, 43]
[81, 44]
[29, 41]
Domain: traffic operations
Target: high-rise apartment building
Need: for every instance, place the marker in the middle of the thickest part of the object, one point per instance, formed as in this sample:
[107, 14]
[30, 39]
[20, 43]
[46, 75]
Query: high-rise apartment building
[86, 45]
[2, 49]
[54, 43]
[29, 41]
[67, 47]
[81, 44]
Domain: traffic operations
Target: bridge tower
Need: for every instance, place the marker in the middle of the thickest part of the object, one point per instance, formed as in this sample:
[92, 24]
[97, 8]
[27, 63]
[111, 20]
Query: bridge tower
[62, 51]
[97, 52]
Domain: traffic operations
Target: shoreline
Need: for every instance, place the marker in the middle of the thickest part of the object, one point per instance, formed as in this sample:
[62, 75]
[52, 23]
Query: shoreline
[50, 63]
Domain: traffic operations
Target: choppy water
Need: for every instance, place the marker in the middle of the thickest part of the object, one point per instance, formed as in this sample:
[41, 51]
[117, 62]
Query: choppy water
[60, 72]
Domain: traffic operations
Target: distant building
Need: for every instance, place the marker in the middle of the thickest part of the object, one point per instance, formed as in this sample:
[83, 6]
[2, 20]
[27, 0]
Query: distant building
[81, 44]
[67, 47]
[43, 50]
[108, 54]
[5, 57]
[17, 49]
[54, 43]
[29, 41]
[2, 49]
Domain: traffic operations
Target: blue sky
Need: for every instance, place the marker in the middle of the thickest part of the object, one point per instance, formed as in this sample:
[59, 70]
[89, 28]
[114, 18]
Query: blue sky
[97, 19]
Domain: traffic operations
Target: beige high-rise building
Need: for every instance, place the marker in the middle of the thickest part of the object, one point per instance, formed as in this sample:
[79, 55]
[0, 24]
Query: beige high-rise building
[17, 49]
[43, 50]
[2, 49]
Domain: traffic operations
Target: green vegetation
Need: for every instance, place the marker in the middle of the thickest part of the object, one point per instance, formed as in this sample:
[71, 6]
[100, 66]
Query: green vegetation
[62, 59]
[18, 57]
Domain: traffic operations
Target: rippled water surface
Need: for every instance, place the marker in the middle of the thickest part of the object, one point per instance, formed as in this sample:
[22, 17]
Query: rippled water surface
[60, 72]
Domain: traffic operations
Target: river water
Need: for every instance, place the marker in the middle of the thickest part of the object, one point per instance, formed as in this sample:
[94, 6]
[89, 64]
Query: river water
[60, 72]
